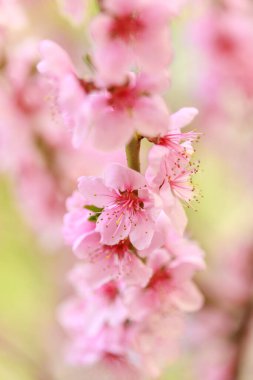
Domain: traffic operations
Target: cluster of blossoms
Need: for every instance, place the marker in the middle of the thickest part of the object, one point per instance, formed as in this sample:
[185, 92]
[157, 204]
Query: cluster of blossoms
[43, 165]
[133, 284]
[134, 278]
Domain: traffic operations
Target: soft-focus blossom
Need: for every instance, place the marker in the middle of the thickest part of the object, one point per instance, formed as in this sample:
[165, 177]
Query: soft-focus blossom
[176, 140]
[117, 112]
[108, 262]
[225, 36]
[170, 170]
[125, 33]
[107, 116]
[43, 166]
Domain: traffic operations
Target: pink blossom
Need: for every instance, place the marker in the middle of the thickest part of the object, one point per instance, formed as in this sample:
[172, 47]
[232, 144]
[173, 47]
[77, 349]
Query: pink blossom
[225, 37]
[176, 140]
[129, 33]
[171, 285]
[169, 171]
[95, 112]
[80, 313]
[55, 61]
[117, 112]
[170, 176]
[107, 343]
[127, 207]
[111, 262]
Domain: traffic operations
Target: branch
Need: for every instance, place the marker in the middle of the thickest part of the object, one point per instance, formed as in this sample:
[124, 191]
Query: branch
[133, 153]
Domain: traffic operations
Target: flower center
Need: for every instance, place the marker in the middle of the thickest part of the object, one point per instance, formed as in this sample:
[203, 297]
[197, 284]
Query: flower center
[130, 200]
[110, 291]
[225, 44]
[158, 278]
[122, 97]
[126, 27]
[119, 249]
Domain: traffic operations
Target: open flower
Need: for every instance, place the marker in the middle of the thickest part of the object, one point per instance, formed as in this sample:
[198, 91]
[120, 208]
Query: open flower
[117, 112]
[170, 176]
[176, 140]
[170, 287]
[127, 207]
[111, 262]
[131, 33]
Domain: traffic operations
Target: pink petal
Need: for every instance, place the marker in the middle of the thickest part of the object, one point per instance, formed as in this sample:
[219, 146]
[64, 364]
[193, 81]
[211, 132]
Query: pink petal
[187, 298]
[94, 191]
[55, 61]
[86, 244]
[177, 216]
[185, 267]
[123, 178]
[111, 56]
[110, 129]
[142, 231]
[151, 116]
[113, 227]
[136, 273]
[156, 173]
[156, 41]
[182, 117]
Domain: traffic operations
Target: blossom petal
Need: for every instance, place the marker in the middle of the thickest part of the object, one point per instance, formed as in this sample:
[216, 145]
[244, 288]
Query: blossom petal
[55, 61]
[123, 178]
[182, 117]
[142, 230]
[151, 116]
[94, 191]
[187, 298]
[114, 225]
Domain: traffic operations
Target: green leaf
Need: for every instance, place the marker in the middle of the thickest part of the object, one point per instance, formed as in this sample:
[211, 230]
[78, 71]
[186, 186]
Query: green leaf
[93, 208]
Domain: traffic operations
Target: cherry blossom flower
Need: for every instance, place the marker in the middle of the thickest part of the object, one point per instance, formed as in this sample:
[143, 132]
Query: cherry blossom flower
[176, 140]
[225, 36]
[125, 33]
[112, 262]
[80, 313]
[117, 112]
[127, 207]
[107, 116]
[170, 176]
[173, 260]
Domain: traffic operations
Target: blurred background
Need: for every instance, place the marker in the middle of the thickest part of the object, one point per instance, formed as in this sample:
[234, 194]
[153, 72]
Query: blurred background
[213, 71]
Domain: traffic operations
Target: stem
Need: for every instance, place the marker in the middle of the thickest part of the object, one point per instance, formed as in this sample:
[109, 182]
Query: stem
[133, 153]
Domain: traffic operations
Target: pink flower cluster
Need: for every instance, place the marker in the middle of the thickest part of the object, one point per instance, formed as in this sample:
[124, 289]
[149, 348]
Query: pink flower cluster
[134, 280]
[43, 165]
